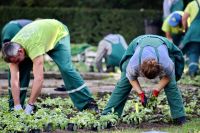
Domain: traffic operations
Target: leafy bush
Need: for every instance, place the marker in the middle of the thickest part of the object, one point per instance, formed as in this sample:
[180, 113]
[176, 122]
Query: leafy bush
[88, 25]
[126, 4]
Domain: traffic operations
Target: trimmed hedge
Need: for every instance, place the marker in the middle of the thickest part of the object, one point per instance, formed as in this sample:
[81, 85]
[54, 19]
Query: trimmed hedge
[108, 4]
[88, 25]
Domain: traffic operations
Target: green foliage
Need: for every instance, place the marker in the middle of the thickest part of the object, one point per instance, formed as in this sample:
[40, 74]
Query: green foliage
[58, 113]
[81, 67]
[187, 80]
[87, 25]
[50, 66]
[79, 48]
[126, 4]
[3, 65]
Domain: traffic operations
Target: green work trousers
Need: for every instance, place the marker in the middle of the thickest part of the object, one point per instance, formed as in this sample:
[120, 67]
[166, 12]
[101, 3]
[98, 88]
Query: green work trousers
[76, 88]
[120, 94]
[61, 55]
[9, 31]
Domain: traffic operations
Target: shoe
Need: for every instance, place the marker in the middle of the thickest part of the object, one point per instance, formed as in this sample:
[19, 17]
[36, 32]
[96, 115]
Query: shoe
[35, 109]
[110, 69]
[192, 74]
[61, 88]
[180, 121]
[92, 106]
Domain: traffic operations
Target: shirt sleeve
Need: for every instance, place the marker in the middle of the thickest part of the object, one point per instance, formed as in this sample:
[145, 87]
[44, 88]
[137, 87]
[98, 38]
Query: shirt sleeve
[166, 8]
[168, 70]
[132, 72]
[188, 8]
[165, 26]
[101, 51]
[122, 40]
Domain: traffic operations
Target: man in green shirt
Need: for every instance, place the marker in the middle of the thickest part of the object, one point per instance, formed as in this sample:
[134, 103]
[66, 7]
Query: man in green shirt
[26, 50]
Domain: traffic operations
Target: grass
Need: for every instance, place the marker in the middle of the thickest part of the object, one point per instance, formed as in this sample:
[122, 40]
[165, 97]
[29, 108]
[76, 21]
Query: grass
[190, 127]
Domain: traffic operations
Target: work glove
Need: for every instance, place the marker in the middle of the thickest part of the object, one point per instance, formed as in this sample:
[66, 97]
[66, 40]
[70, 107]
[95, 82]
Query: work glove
[29, 109]
[18, 107]
[155, 93]
[143, 99]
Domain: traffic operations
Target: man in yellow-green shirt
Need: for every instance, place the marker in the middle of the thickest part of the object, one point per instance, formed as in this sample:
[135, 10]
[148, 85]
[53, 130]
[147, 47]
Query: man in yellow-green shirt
[192, 9]
[26, 50]
[172, 26]
[191, 42]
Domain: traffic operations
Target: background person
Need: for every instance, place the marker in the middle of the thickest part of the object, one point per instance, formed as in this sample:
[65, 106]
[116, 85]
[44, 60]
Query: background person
[11, 28]
[8, 32]
[148, 56]
[111, 48]
[191, 41]
[170, 6]
[28, 46]
[172, 26]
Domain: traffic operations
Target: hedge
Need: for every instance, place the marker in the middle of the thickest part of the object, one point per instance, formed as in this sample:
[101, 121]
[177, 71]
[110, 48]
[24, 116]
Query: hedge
[88, 25]
[108, 4]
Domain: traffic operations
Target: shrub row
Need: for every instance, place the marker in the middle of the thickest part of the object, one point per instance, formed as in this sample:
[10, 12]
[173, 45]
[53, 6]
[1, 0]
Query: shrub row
[108, 4]
[88, 25]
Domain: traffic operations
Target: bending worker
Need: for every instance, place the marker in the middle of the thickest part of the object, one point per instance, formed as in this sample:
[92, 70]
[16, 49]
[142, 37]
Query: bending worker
[172, 26]
[26, 50]
[11, 28]
[150, 56]
[8, 32]
[111, 48]
[191, 42]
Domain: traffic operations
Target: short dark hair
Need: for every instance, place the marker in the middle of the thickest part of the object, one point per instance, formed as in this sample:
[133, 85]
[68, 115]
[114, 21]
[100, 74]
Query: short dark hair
[150, 68]
[9, 49]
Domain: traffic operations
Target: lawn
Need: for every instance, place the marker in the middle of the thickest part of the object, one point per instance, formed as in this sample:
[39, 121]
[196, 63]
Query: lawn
[190, 127]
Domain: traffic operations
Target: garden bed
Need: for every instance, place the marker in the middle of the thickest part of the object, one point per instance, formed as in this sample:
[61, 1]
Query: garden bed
[58, 114]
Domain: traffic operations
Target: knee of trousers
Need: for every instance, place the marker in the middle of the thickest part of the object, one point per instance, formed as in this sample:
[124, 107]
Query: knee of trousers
[172, 86]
